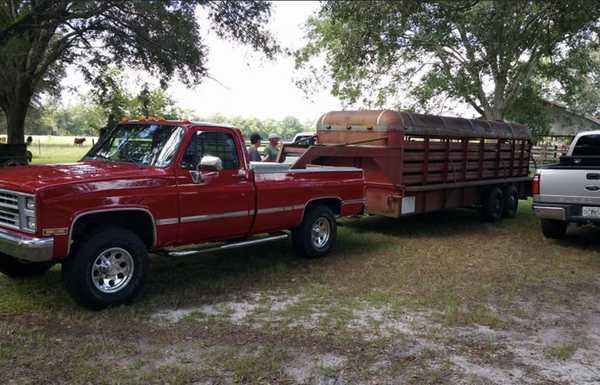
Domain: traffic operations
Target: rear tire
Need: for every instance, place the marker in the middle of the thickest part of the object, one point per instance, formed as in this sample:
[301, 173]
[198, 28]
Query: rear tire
[316, 234]
[510, 196]
[107, 268]
[554, 229]
[15, 269]
[492, 205]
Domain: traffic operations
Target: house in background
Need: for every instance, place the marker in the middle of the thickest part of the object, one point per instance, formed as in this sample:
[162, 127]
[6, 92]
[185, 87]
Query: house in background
[566, 124]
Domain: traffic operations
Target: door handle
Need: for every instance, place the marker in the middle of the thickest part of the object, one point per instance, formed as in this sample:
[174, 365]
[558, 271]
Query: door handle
[592, 188]
[242, 174]
[592, 176]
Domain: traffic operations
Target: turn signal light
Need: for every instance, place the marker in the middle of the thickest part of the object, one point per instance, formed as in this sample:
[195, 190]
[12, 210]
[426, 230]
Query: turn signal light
[535, 184]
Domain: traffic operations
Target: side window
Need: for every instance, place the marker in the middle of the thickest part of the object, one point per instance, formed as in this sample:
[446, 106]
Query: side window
[587, 145]
[217, 144]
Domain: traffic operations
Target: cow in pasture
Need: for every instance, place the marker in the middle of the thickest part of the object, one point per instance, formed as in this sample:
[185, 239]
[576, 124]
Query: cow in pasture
[78, 141]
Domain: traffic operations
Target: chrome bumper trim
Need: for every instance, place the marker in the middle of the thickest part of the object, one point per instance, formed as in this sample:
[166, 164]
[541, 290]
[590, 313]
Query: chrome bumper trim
[550, 212]
[26, 247]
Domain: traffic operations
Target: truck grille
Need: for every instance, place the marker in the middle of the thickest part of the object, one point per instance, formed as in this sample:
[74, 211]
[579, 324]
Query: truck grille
[9, 210]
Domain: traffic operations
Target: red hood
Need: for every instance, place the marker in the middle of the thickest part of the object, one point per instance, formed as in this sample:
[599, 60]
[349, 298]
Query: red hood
[32, 178]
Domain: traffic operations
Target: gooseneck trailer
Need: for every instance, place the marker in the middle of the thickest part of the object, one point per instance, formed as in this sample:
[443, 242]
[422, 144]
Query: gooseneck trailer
[416, 163]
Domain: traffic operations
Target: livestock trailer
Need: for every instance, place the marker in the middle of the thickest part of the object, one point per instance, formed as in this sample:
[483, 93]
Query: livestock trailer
[416, 163]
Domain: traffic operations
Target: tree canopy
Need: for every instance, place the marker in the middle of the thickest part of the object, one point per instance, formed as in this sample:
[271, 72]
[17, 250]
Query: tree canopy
[487, 54]
[38, 38]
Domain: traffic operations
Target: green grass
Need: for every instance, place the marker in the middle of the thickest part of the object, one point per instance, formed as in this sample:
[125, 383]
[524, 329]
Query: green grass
[561, 352]
[58, 149]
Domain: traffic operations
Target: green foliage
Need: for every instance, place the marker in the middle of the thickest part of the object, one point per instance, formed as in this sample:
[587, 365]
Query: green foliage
[110, 95]
[39, 38]
[482, 53]
[531, 108]
[286, 128]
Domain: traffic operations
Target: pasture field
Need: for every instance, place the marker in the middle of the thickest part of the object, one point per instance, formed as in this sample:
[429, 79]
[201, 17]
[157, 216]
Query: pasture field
[58, 149]
[436, 299]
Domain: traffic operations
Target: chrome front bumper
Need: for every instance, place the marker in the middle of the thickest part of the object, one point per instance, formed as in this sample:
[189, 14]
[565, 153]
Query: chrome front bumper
[26, 247]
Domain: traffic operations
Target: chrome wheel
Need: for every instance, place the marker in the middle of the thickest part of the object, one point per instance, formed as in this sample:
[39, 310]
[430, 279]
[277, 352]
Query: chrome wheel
[112, 270]
[321, 232]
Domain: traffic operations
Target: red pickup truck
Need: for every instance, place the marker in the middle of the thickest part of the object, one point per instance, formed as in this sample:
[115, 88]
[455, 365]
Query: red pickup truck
[157, 186]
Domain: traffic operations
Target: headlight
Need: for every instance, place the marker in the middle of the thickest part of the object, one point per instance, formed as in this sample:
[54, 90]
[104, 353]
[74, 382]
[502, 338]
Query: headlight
[30, 204]
[31, 223]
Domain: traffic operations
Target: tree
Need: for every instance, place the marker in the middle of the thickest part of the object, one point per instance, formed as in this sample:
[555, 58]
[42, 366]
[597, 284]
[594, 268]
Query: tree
[38, 38]
[483, 53]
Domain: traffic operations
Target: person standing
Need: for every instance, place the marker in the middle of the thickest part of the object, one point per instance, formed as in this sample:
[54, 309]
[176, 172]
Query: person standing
[272, 150]
[253, 153]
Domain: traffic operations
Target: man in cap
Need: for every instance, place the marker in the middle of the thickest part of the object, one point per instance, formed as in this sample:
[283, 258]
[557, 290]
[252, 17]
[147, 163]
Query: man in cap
[253, 149]
[272, 150]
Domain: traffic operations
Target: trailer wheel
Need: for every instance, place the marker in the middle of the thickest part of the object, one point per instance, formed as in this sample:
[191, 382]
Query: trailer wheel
[493, 204]
[316, 234]
[15, 269]
[107, 268]
[511, 201]
[554, 229]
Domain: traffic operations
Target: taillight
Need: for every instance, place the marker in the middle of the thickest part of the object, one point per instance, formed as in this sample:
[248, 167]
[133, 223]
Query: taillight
[535, 184]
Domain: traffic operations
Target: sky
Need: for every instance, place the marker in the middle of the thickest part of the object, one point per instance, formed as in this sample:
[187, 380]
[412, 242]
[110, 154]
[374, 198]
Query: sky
[246, 83]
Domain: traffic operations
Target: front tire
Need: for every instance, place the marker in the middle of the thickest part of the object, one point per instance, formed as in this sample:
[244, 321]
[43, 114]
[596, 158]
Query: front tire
[107, 268]
[316, 234]
[553, 228]
[16, 269]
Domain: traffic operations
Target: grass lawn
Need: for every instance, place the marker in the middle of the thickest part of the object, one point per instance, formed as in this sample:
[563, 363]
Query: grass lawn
[435, 299]
[58, 149]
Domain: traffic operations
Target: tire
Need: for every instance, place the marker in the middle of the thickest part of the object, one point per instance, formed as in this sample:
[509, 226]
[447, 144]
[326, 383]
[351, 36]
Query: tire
[107, 268]
[315, 244]
[510, 197]
[492, 205]
[554, 229]
[15, 269]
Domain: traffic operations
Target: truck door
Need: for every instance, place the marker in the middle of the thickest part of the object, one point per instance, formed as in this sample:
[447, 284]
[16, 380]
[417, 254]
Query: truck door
[221, 204]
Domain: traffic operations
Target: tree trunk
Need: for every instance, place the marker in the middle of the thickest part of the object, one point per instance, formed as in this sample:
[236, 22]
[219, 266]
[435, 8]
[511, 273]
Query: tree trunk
[15, 119]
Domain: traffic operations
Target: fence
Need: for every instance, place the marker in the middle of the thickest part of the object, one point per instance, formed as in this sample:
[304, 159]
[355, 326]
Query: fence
[547, 153]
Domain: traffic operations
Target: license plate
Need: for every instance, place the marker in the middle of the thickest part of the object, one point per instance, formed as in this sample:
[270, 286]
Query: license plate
[590, 211]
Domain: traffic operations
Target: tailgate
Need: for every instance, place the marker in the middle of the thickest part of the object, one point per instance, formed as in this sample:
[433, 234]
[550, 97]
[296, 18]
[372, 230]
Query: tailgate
[566, 185]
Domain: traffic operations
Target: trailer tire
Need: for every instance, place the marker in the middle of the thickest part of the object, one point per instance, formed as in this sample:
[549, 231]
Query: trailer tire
[510, 206]
[13, 268]
[492, 205]
[107, 268]
[316, 234]
[553, 228]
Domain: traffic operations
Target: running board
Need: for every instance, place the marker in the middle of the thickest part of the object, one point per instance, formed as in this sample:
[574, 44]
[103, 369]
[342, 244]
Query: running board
[229, 246]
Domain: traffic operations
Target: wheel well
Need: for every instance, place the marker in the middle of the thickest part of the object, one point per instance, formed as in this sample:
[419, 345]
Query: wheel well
[137, 221]
[334, 204]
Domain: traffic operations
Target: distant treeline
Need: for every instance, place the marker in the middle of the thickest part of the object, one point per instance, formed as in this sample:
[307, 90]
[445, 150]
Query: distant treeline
[88, 116]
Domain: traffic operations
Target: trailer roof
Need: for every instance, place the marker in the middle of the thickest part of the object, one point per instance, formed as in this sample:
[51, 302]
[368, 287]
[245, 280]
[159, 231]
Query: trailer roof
[421, 124]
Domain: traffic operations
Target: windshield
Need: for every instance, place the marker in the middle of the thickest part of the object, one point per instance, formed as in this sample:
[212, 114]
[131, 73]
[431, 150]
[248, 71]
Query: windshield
[143, 144]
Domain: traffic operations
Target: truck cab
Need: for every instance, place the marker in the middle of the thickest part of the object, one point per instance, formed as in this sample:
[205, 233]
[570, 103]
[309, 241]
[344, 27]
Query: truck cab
[176, 188]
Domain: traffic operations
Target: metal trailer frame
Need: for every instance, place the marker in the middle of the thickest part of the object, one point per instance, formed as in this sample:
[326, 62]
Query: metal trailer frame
[416, 163]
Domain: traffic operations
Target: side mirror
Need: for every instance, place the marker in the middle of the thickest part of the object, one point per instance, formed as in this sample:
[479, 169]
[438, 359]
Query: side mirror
[208, 163]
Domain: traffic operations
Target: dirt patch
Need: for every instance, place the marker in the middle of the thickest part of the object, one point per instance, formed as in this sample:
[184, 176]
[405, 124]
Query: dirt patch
[555, 343]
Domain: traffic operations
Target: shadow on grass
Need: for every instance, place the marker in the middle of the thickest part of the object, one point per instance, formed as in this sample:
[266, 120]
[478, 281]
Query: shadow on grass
[438, 223]
[584, 237]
